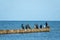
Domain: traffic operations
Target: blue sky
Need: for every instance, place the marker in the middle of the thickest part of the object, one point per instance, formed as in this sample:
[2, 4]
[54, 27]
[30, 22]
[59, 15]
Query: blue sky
[31, 10]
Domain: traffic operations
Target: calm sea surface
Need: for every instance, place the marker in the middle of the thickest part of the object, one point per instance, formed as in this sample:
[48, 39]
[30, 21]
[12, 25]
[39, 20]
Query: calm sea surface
[54, 33]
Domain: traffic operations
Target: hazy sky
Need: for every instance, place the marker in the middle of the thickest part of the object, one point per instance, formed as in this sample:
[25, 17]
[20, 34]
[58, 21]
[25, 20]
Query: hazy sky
[30, 10]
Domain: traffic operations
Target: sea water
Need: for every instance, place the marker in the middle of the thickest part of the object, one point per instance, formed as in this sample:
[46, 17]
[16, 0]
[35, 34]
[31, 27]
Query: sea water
[54, 33]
